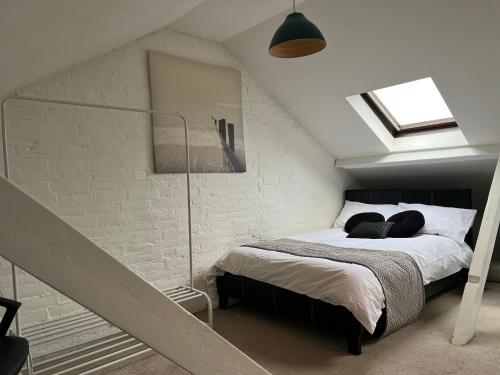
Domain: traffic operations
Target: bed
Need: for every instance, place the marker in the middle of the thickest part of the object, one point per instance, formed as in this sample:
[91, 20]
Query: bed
[342, 295]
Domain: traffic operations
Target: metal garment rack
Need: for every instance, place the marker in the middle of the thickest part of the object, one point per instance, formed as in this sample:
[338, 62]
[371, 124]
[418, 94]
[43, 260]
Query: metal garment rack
[62, 327]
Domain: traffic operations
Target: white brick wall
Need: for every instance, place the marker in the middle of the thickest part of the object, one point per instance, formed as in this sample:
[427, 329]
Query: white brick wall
[95, 169]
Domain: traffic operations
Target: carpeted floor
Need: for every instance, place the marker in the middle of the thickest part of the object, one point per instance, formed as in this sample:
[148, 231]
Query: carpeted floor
[287, 347]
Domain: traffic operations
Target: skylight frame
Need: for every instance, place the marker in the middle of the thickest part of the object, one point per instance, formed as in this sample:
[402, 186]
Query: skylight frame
[392, 125]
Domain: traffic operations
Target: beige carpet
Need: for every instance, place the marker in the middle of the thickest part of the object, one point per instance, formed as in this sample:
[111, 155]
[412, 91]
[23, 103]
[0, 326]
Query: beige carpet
[287, 347]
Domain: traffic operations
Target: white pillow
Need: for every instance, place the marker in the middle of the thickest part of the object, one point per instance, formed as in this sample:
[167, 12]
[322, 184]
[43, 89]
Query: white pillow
[448, 222]
[353, 208]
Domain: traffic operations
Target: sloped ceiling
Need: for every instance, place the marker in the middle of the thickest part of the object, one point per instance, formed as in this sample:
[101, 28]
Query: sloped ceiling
[222, 19]
[40, 37]
[374, 44]
[371, 44]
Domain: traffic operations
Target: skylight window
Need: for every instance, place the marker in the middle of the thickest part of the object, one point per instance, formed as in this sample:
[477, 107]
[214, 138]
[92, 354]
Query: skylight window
[410, 107]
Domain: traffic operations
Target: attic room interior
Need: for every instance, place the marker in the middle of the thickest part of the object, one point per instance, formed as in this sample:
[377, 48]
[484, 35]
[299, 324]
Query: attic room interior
[249, 187]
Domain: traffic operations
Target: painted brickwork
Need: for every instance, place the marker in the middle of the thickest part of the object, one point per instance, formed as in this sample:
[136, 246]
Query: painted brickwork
[95, 169]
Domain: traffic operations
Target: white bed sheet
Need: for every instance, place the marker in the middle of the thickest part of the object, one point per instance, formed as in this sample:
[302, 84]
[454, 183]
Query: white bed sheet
[352, 286]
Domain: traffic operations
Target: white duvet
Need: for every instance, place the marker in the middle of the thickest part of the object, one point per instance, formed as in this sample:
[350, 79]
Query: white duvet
[352, 286]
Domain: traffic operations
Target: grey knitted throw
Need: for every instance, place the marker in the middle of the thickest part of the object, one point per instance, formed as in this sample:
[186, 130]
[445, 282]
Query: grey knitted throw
[396, 271]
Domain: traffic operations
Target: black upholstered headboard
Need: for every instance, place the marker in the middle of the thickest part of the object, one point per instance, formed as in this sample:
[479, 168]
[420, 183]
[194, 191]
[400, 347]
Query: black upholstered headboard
[460, 198]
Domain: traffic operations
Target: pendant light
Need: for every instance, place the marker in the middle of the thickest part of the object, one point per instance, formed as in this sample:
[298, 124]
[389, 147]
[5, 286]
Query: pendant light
[296, 37]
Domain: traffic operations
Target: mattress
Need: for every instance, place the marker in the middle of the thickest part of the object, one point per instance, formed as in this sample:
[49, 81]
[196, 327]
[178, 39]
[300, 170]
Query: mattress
[350, 285]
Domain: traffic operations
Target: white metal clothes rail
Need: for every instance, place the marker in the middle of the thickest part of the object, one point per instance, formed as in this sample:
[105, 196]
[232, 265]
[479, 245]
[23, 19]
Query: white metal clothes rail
[58, 328]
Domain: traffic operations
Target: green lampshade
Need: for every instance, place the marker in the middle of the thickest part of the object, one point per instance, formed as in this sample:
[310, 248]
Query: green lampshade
[297, 36]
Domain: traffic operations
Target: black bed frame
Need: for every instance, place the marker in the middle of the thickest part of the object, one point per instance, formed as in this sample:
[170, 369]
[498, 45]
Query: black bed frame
[269, 297]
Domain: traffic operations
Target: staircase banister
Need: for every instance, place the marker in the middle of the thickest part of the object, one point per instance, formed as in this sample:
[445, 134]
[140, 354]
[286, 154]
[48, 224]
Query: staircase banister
[41, 243]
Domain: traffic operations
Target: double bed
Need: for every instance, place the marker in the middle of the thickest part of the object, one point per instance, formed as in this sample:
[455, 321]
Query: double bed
[345, 295]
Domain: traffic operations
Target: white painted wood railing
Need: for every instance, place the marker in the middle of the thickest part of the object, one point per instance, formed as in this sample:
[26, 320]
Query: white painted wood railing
[38, 241]
[473, 293]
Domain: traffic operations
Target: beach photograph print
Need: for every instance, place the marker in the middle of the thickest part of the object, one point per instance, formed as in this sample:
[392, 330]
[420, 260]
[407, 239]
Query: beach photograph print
[209, 96]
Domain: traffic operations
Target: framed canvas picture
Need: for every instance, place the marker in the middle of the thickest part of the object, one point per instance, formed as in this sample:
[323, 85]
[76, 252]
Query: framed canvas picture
[209, 96]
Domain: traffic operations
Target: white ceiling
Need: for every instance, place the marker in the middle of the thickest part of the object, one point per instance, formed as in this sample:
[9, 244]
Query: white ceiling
[370, 45]
[40, 37]
[374, 44]
[222, 19]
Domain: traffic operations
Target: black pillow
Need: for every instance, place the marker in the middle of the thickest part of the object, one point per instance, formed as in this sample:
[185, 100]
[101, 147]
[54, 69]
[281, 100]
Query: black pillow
[368, 229]
[406, 223]
[354, 220]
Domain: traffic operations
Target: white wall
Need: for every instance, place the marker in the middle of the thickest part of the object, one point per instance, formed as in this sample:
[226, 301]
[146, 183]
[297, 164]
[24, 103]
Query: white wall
[94, 168]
